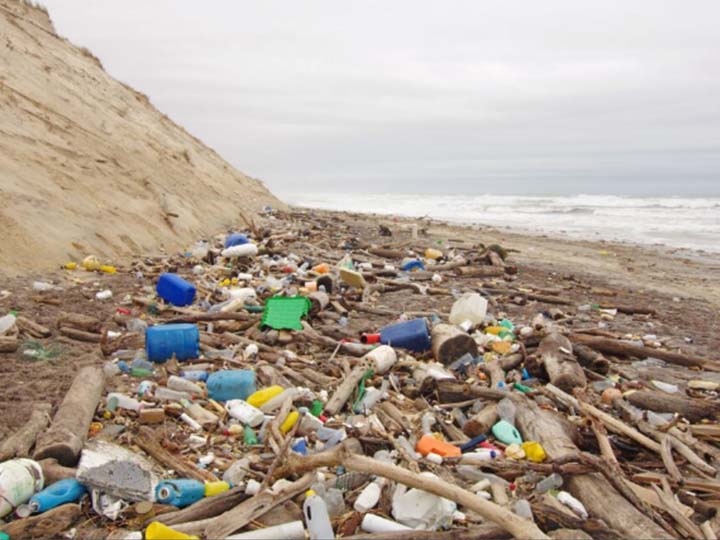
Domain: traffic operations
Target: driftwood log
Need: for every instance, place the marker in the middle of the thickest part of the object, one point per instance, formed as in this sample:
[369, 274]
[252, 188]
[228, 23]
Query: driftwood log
[480, 271]
[67, 433]
[344, 390]
[590, 359]
[79, 322]
[147, 440]
[52, 471]
[9, 344]
[481, 532]
[20, 442]
[480, 423]
[620, 348]
[593, 490]
[450, 343]
[205, 508]
[46, 525]
[692, 409]
[555, 352]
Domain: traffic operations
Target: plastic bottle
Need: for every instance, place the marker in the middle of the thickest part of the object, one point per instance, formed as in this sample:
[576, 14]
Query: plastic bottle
[317, 519]
[371, 397]
[123, 402]
[183, 385]
[165, 394]
[175, 290]
[235, 474]
[7, 323]
[158, 531]
[383, 358]
[373, 523]
[136, 325]
[293, 530]
[181, 493]
[331, 437]
[506, 410]
[242, 250]
[141, 363]
[572, 503]
[554, 481]
[231, 384]
[194, 375]
[246, 413]
[522, 508]
[469, 307]
[19, 480]
[61, 492]
[259, 398]
[369, 497]
[164, 341]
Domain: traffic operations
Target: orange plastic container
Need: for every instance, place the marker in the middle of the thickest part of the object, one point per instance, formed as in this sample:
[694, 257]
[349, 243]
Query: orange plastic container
[428, 444]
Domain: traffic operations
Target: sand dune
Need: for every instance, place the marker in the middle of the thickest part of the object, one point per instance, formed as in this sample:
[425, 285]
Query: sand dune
[88, 165]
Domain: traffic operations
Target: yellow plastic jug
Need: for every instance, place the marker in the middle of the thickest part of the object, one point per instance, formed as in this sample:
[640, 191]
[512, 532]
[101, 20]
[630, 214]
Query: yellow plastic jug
[289, 421]
[158, 531]
[534, 451]
[262, 396]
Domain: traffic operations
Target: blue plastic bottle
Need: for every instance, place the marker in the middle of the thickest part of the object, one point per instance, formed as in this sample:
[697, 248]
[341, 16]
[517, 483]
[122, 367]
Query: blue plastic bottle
[162, 341]
[231, 384]
[412, 335]
[175, 290]
[235, 239]
[61, 492]
[180, 493]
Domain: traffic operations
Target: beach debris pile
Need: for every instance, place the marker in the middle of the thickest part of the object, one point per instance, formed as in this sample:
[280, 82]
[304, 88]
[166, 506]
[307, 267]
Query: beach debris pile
[292, 380]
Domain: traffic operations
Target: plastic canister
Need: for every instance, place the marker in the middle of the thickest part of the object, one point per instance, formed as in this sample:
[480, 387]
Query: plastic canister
[180, 493]
[158, 531]
[61, 492]
[231, 384]
[246, 413]
[412, 335]
[19, 480]
[235, 239]
[175, 290]
[469, 307]
[293, 530]
[383, 358]
[164, 341]
[317, 518]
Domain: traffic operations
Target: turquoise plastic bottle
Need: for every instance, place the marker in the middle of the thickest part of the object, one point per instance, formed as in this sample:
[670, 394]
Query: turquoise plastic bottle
[180, 493]
[231, 384]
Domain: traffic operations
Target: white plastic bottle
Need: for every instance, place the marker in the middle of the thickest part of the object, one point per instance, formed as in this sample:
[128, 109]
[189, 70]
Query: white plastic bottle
[20, 479]
[7, 323]
[369, 496]
[317, 519]
[246, 413]
[372, 523]
[293, 530]
[124, 402]
[242, 250]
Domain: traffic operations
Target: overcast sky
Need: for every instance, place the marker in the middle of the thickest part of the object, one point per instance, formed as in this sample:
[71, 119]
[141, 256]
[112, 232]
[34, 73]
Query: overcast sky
[417, 96]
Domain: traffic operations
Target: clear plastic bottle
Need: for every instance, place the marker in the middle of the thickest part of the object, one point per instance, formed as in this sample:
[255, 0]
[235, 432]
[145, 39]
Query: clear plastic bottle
[183, 385]
[554, 481]
[166, 394]
[506, 410]
[522, 508]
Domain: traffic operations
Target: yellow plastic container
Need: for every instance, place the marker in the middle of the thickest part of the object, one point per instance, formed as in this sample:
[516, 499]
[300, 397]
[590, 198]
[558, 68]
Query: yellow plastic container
[106, 268]
[289, 421]
[494, 330]
[433, 254]
[158, 531]
[264, 395]
[91, 263]
[70, 266]
[534, 451]
[215, 488]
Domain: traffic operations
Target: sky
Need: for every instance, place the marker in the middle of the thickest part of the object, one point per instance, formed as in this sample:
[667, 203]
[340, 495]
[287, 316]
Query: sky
[524, 97]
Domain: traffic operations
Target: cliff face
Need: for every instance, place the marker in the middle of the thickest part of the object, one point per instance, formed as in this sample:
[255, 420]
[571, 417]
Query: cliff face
[88, 165]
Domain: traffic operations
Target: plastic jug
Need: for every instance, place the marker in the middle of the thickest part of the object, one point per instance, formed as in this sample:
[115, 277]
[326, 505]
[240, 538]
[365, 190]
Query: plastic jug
[231, 384]
[506, 433]
[19, 480]
[164, 341]
[180, 493]
[469, 307]
[412, 335]
[246, 413]
[383, 358]
[261, 397]
[61, 492]
[317, 518]
[235, 239]
[175, 290]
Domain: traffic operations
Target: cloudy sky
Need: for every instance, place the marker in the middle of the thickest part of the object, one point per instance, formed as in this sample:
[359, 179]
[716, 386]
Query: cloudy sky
[417, 96]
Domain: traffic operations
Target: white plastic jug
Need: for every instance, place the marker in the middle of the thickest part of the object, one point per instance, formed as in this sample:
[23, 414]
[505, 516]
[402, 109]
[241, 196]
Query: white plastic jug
[469, 307]
[246, 413]
[20, 479]
[383, 358]
[317, 519]
[243, 250]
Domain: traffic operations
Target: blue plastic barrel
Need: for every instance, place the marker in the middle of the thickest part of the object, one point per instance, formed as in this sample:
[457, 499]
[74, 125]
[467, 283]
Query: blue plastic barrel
[236, 239]
[180, 493]
[412, 335]
[231, 384]
[175, 290]
[61, 492]
[164, 340]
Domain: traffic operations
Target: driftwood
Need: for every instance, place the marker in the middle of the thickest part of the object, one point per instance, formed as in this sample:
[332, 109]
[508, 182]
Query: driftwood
[80, 335]
[482, 532]
[555, 352]
[450, 343]
[205, 508]
[67, 433]
[46, 525]
[551, 516]
[8, 344]
[32, 328]
[20, 442]
[79, 322]
[481, 423]
[52, 471]
[504, 518]
[480, 271]
[593, 490]
[344, 390]
[147, 440]
[590, 359]
[620, 348]
[692, 409]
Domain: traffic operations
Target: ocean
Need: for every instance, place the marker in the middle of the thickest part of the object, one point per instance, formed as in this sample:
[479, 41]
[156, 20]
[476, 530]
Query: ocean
[692, 223]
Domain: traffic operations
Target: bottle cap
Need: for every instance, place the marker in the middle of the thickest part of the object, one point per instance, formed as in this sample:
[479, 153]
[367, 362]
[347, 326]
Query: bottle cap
[309, 493]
